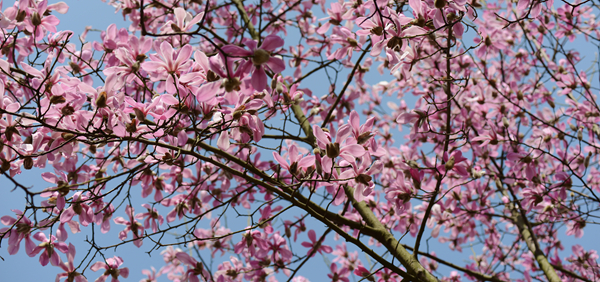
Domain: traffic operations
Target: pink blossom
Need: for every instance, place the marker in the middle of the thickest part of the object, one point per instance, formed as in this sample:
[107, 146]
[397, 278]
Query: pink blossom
[131, 225]
[49, 248]
[260, 57]
[314, 245]
[22, 230]
[69, 268]
[111, 267]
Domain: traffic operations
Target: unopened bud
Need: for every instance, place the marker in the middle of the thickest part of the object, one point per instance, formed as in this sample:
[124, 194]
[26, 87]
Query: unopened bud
[596, 129]
[363, 179]
[573, 127]
[67, 110]
[21, 16]
[101, 100]
[352, 42]
[586, 162]
[67, 135]
[548, 208]
[75, 67]
[5, 165]
[10, 131]
[279, 88]
[132, 127]
[505, 122]
[333, 150]
[56, 99]
[440, 3]
[580, 134]
[28, 163]
[175, 27]
[364, 137]
[450, 163]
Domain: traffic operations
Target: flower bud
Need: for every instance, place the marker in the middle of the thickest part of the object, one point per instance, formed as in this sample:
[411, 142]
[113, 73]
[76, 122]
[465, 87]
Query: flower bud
[36, 19]
[74, 67]
[440, 3]
[333, 150]
[132, 127]
[57, 99]
[364, 137]
[175, 27]
[580, 134]
[378, 30]
[67, 135]
[21, 16]
[505, 122]
[211, 76]
[352, 42]
[363, 179]
[573, 127]
[67, 110]
[9, 132]
[5, 165]
[586, 162]
[450, 163]
[101, 100]
[28, 163]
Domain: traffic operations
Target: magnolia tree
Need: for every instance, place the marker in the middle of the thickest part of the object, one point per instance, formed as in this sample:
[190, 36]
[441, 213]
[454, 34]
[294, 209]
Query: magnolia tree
[197, 133]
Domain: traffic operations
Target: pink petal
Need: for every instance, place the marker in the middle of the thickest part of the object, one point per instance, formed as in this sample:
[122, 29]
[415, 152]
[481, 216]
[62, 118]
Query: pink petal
[354, 150]
[276, 64]
[272, 42]
[223, 141]
[259, 79]
[280, 160]
[124, 272]
[236, 51]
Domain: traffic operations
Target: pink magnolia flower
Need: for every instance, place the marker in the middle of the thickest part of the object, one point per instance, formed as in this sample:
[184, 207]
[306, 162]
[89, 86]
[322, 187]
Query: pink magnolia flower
[132, 225]
[341, 275]
[153, 219]
[335, 17]
[38, 22]
[152, 276]
[69, 268]
[348, 152]
[111, 268]
[523, 160]
[278, 245]
[361, 175]
[21, 231]
[250, 241]
[362, 133]
[194, 268]
[347, 39]
[260, 57]
[297, 161]
[78, 207]
[314, 244]
[228, 271]
[184, 21]
[455, 162]
[49, 247]
[170, 65]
